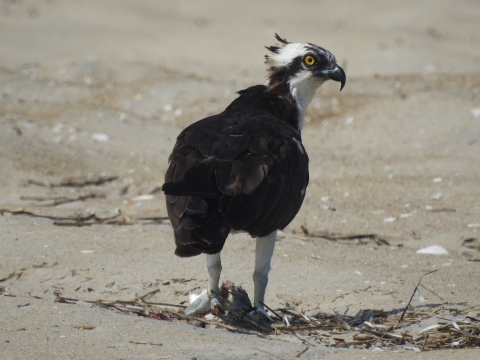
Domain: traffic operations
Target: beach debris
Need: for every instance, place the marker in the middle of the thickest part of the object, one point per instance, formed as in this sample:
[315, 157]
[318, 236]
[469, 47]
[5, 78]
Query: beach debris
[143, 197]
[472, 243]
[83, 327]
[433, 249]
[415, 291]
[420, 329]
[60, 200]
[476, 112]
[100, 137]
[12, 275]
[79, 181]
[146, 343]
[360, 238]
[436, 196]
[88, 220]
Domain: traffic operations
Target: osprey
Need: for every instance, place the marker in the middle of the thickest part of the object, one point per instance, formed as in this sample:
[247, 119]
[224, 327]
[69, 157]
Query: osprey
[246, 169]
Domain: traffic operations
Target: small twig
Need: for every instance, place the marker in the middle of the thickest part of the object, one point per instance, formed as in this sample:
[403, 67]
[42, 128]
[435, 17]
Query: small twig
[269, 353]
[146, 343]
[432, 292]
[342, 295]
[165, 304]
[414, 292]
[343, 322]
[464, 333]
[12, 275]
[299, 316]
[83, 327]
[76, 182]
[304, 340]
[322, 325]
[273, 312]
[149, 294]
[424, 342]
[378, 239]
[383, 334]
[78, 198]
[300, 352]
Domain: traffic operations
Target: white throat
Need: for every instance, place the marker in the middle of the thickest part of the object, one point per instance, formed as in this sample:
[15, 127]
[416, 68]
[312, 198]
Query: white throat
[303, 88]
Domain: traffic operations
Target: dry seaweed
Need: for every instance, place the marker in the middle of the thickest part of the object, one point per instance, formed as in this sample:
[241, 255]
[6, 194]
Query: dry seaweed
[366, 329]
[86, 220]
[360, 238]
[453, 328]
[60, 200]
[80, 181]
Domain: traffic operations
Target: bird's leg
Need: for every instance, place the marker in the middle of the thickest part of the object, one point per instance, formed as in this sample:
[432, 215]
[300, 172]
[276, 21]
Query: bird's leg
[263, 255]
[211, 299]
[214, 267]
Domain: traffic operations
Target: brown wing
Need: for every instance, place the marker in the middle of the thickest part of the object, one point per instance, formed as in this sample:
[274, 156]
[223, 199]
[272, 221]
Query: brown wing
[232, 171]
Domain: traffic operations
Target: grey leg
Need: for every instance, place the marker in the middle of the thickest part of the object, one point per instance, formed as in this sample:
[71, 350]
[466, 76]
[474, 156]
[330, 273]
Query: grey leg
[214, 266]
[263, 255]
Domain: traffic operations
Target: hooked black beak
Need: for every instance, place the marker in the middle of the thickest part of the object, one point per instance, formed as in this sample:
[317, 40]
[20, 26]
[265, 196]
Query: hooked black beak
[338, 74]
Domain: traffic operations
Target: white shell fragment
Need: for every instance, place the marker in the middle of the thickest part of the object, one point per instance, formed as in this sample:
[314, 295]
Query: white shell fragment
[100, 137]
[210, 317]
[476, 112]
[143, 197]
[389, 219]
[428, 328]
[408, 346]
[434, 250]
[436, 196]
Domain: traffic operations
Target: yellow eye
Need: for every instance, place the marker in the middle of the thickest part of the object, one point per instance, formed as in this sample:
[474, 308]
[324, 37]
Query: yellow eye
[309, 60]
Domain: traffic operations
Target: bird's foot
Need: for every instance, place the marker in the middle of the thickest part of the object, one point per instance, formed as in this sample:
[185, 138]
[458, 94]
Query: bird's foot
[204, 303]
[229, 297]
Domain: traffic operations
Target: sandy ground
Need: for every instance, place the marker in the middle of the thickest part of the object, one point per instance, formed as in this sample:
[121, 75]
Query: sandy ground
[98, 88]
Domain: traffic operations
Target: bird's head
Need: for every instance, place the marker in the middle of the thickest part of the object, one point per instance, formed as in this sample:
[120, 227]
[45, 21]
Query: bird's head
[296, 70]
[297, 62]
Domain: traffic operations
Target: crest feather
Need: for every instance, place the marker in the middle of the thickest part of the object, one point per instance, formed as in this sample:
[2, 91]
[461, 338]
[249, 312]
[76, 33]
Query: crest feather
[282, 40]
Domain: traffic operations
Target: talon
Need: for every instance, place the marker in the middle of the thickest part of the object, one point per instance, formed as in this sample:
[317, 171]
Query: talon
[216, 307]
